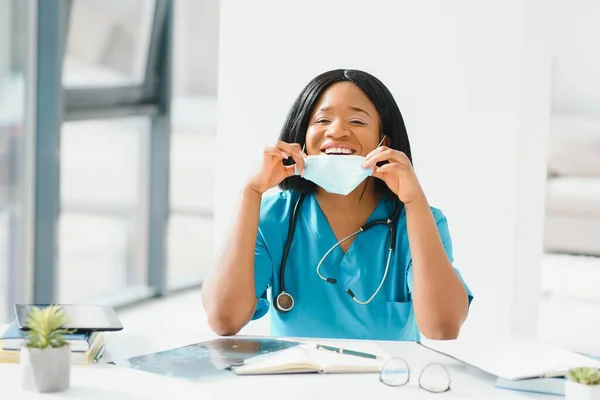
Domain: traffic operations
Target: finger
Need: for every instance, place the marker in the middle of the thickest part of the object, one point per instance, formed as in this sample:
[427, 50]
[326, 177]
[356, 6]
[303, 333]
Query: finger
[384, 155]
[376, 151]
[300, 163]
[302, 153]
[391, 167]
[290, 170]
[275, 152]
[381, 172]
[290, 148]
[381, 149]
[299, 158]
[277, 155]
[295, 151]
[300, 149]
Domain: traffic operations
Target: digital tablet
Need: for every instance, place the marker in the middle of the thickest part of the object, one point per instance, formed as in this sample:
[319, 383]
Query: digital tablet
[80, 317]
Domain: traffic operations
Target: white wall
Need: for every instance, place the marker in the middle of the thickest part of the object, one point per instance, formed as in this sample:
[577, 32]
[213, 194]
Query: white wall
[471, 79]
[576, 62]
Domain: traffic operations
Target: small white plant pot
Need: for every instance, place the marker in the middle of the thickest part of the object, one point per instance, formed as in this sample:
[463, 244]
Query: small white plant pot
[46, 370]
[578, 391]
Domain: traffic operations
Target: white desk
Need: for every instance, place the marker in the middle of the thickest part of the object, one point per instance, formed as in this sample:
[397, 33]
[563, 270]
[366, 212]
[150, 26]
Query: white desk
[103, 381]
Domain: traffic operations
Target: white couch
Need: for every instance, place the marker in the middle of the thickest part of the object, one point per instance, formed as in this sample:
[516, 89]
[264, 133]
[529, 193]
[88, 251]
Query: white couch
[572, 222]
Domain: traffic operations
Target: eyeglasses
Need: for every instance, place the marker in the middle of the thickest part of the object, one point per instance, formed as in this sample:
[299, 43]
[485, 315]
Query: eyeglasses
[434, 378]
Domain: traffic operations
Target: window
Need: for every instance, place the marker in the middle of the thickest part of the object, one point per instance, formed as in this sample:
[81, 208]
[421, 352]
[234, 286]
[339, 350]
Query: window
[101, 225]
[123, 207]
[108, 42]
[193, 133]
[15, 145]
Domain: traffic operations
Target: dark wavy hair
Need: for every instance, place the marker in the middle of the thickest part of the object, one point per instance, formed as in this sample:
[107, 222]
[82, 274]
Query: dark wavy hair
[391, 122]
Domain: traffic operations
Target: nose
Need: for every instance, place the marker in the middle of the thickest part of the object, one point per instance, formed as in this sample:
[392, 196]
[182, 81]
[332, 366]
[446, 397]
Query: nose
[337, 129]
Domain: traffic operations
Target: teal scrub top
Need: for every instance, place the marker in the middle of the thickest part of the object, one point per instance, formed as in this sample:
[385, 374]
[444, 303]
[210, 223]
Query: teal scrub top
[325, 310]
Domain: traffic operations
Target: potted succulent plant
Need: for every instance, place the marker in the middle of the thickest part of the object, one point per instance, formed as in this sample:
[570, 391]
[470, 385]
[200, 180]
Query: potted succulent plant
[583, 384]
[46, 355]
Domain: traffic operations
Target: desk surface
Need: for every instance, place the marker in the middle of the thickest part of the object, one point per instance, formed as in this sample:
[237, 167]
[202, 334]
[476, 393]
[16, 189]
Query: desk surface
[103, 381]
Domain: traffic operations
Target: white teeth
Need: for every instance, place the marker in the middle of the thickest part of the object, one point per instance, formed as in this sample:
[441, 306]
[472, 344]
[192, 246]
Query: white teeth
[335, 150]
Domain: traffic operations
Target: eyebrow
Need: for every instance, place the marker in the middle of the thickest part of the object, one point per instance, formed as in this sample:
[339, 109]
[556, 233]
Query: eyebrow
[357, 109]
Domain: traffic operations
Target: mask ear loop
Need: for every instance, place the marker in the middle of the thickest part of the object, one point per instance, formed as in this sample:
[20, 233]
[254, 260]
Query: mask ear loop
[365, 187]
[304, 151]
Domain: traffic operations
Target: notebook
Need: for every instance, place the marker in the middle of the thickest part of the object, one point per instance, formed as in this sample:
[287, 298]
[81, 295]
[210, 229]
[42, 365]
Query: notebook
[306, 358]
[13, 338]
[513, 358]
[92, 355]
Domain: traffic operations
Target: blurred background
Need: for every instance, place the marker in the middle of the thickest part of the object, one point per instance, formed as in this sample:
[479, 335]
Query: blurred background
[98, 71]
[118, 119]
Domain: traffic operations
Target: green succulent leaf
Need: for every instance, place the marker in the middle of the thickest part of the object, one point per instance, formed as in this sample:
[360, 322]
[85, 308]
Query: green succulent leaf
[584, 375]
[46, 327]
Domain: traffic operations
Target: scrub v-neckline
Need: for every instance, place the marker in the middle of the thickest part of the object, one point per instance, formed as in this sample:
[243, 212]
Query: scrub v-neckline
[321, 220]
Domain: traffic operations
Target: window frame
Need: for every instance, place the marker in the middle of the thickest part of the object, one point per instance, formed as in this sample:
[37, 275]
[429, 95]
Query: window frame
[56, 103]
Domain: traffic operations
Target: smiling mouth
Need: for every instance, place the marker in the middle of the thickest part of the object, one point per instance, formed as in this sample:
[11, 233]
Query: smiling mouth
[338, 151]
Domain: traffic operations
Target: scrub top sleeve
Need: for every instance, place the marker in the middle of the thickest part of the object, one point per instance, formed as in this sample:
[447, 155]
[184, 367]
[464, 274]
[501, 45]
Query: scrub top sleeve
[442, 225]
[263, 274]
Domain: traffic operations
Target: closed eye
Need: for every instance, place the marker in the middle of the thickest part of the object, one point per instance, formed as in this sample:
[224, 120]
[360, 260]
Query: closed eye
[357, 122]
[322, 121]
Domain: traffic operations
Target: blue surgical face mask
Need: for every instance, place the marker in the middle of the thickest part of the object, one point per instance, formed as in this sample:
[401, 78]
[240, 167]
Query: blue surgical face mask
[334, 173]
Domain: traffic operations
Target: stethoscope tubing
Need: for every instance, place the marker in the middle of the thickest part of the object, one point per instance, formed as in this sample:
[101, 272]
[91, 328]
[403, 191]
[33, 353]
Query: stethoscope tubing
[284, 301]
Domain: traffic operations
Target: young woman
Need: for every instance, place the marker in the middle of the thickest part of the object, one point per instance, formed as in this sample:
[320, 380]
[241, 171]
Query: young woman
[350, 247]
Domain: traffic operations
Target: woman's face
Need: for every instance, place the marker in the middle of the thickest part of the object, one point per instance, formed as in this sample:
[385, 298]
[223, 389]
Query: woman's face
[344, 121]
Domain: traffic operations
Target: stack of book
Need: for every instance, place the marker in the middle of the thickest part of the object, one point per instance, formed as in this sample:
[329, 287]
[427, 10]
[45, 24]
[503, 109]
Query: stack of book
[86, 347]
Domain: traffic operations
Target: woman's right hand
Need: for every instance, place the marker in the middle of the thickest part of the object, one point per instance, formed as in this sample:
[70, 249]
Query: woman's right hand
[272, 170]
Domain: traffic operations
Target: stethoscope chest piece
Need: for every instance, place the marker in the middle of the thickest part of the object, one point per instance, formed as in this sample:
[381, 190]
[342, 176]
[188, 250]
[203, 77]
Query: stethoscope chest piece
[284, 302]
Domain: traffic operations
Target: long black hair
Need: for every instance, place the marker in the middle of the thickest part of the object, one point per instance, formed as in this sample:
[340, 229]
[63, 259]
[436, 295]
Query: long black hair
[391, 122]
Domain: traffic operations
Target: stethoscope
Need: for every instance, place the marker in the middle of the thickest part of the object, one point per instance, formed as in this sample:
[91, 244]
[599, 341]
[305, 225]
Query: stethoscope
[284, 301]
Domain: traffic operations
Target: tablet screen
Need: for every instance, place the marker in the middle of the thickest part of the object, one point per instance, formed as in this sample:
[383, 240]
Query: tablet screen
[81, 317]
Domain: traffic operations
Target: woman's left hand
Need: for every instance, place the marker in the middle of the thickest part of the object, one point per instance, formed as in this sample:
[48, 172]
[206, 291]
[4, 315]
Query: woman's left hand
[398, 173]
